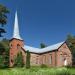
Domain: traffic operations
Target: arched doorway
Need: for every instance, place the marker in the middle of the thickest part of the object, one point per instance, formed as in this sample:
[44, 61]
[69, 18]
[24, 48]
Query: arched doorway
[65, 62]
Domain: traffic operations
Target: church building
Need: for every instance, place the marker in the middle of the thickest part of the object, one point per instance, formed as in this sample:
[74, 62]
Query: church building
[56, 55]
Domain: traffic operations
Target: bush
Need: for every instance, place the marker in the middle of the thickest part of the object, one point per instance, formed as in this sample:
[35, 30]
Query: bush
[19, 60]
[28, 60]
[4, 59]
[44, 66]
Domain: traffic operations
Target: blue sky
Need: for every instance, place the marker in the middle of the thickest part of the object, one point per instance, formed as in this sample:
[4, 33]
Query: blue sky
[47, 21]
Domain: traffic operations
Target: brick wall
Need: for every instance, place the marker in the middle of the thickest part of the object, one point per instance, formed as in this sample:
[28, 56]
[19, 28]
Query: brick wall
[53, 58]
[15, 47]
[63, 54]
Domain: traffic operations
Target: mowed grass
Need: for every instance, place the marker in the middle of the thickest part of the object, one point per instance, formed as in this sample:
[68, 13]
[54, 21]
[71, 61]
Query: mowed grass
[38, 71]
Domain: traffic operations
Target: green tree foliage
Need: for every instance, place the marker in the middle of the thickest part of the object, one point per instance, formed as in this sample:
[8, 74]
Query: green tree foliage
[4, 45]
[4, 53]
[27, 59]
[19, 60]
[5, 42]
[71, 44]
[6, 57]
[2, 31]
[2, 48]
[42, 45]
[3, 18]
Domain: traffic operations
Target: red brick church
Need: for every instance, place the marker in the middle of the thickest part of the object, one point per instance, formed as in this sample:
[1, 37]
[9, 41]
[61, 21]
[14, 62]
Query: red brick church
[55, 55]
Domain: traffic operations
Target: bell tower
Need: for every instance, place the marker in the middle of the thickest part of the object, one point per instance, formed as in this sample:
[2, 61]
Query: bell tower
[16, 43]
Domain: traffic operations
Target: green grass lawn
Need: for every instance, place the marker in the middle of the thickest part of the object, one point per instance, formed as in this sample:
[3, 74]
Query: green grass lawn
[38, 71]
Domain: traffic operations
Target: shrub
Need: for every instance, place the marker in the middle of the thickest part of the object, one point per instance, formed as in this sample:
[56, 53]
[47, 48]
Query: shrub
[19, 60]
[4, 59]
[44, 66]
[27, 59]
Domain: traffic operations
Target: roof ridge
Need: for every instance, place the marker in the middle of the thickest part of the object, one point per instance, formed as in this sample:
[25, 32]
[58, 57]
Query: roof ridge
[41, 50]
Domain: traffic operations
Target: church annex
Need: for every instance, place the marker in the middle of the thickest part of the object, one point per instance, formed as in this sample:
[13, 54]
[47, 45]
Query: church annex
[55, 55]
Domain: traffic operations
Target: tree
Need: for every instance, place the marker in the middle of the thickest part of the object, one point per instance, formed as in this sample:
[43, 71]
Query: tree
[27, 59]
[42, 45]
[4, 54]
[71, 44]
[2, 48]
[19, 60]
[3, 18]
[1, 61]
[6, 58]
[2, 31]
[4, 44]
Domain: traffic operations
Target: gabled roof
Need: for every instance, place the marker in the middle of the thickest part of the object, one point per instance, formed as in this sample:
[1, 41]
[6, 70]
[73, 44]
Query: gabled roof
[46, 49]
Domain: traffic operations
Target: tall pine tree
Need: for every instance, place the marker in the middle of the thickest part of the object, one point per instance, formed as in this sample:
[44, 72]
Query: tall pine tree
[27, 59]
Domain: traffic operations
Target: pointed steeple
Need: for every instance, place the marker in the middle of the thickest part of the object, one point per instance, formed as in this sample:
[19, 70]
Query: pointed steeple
[16, 33]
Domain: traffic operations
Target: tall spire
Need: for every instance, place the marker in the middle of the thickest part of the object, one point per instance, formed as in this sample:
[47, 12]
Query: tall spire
[16, 28]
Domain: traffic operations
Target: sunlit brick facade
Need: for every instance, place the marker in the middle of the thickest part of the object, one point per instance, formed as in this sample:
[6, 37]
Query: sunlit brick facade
[55, 55]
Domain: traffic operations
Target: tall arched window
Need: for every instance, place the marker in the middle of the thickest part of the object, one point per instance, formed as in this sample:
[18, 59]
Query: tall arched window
[50, 59]
[44, 59]
[18, 46]
[10, 45]
[61, 58]
[12, 61]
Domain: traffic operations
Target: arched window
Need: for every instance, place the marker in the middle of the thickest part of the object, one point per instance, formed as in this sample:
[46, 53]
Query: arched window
[10, 45]
[61, 58]
[12, 61]
[50, 59]
[18, 46]
[44, 59]
[37, 60]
